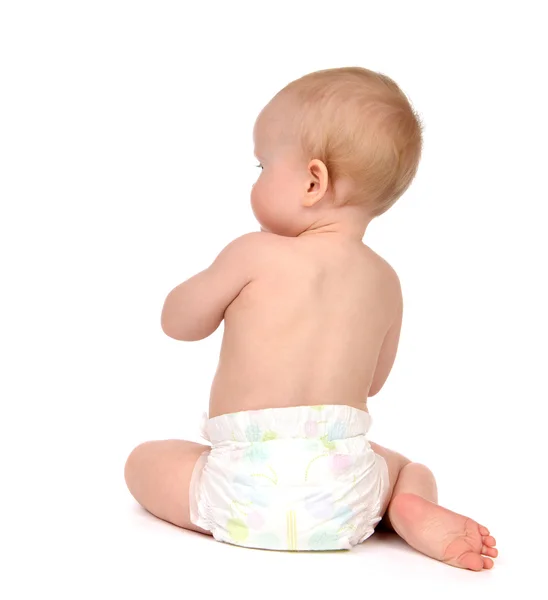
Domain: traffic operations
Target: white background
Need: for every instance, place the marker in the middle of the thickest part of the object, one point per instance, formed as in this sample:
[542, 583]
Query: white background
[126, 161]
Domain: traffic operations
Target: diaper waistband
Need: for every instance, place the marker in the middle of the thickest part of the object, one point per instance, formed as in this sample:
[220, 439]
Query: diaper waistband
[330, 421]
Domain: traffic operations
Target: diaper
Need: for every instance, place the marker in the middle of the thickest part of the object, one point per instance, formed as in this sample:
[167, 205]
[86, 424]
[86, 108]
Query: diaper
[296, 478]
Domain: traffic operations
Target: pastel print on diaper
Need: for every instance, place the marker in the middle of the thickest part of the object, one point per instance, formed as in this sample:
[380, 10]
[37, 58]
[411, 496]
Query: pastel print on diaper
[248, 510]
[336, 431]
[250, 491]
[253, 433]
[343, 519]
[343, 514]
[320, 505]
[256, 453]
[258, 450]
[237, 530]
[251, 533]
[311, 429]
[244, 516]
[339, 463]
[255, 488]
[324, 539]
[328, 536]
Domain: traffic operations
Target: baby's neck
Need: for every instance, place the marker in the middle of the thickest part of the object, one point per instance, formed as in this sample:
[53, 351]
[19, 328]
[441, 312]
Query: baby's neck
[351, 227]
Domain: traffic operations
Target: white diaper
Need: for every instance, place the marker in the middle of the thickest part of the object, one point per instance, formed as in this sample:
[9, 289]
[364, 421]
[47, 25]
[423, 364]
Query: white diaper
[297, 478]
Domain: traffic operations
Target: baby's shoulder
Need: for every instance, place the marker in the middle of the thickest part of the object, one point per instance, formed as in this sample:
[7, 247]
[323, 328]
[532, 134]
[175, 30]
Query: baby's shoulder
[382, 270]
[253, 243]
[376, 262]
[257, 245]
[257, 250]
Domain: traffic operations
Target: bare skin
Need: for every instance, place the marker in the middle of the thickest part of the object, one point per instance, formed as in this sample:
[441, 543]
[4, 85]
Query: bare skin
[312, 316]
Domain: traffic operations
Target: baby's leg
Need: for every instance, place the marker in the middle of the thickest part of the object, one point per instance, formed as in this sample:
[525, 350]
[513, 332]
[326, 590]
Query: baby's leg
[158, 476]
[411, 510]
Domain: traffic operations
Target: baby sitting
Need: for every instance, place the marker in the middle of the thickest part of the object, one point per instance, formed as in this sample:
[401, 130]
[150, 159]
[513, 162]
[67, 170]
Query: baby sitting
[312, 319]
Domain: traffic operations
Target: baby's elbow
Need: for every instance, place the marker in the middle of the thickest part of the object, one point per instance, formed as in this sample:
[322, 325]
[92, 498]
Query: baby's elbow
[189, 333]
[373, 392]
[170, 333]
[376, 387]
[173, 325]
[178, 333]
[172, 329]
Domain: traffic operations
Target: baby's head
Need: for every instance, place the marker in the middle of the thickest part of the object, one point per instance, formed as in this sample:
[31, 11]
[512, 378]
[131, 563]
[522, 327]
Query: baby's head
[339, 143]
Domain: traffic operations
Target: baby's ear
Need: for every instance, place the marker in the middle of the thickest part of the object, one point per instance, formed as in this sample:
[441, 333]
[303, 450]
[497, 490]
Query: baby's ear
[318, 179]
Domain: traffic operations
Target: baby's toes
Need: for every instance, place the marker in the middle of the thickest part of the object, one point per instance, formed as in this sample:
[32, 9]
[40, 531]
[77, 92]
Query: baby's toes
[487, 563]
[493, 552]
[471, 560]
[483, 530]
[489, 540]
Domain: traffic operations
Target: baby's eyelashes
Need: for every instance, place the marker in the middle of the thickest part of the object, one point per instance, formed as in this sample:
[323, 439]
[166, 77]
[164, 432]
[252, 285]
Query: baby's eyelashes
[259, 165]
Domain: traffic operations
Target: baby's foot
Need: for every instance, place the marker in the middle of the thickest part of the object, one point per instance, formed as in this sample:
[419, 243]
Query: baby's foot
[441, 533]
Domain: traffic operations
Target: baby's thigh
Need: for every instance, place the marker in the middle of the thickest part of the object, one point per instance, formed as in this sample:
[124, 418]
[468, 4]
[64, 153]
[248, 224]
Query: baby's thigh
[395, 463]
[158, 476]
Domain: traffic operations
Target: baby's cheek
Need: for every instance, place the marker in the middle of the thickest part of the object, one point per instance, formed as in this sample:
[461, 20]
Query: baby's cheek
[255, 202]
[260, 205]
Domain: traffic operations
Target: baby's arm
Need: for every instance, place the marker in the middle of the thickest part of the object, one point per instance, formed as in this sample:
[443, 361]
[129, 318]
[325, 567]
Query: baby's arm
[195, 308]
[389, 347]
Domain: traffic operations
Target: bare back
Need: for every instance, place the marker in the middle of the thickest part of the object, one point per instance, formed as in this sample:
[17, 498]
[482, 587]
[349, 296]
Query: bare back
[309, 328]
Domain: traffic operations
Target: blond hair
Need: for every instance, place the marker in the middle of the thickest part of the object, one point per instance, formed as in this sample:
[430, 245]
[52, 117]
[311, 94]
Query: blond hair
[362, 127]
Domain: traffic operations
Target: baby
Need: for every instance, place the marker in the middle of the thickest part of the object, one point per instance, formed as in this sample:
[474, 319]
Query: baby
[312, 323]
